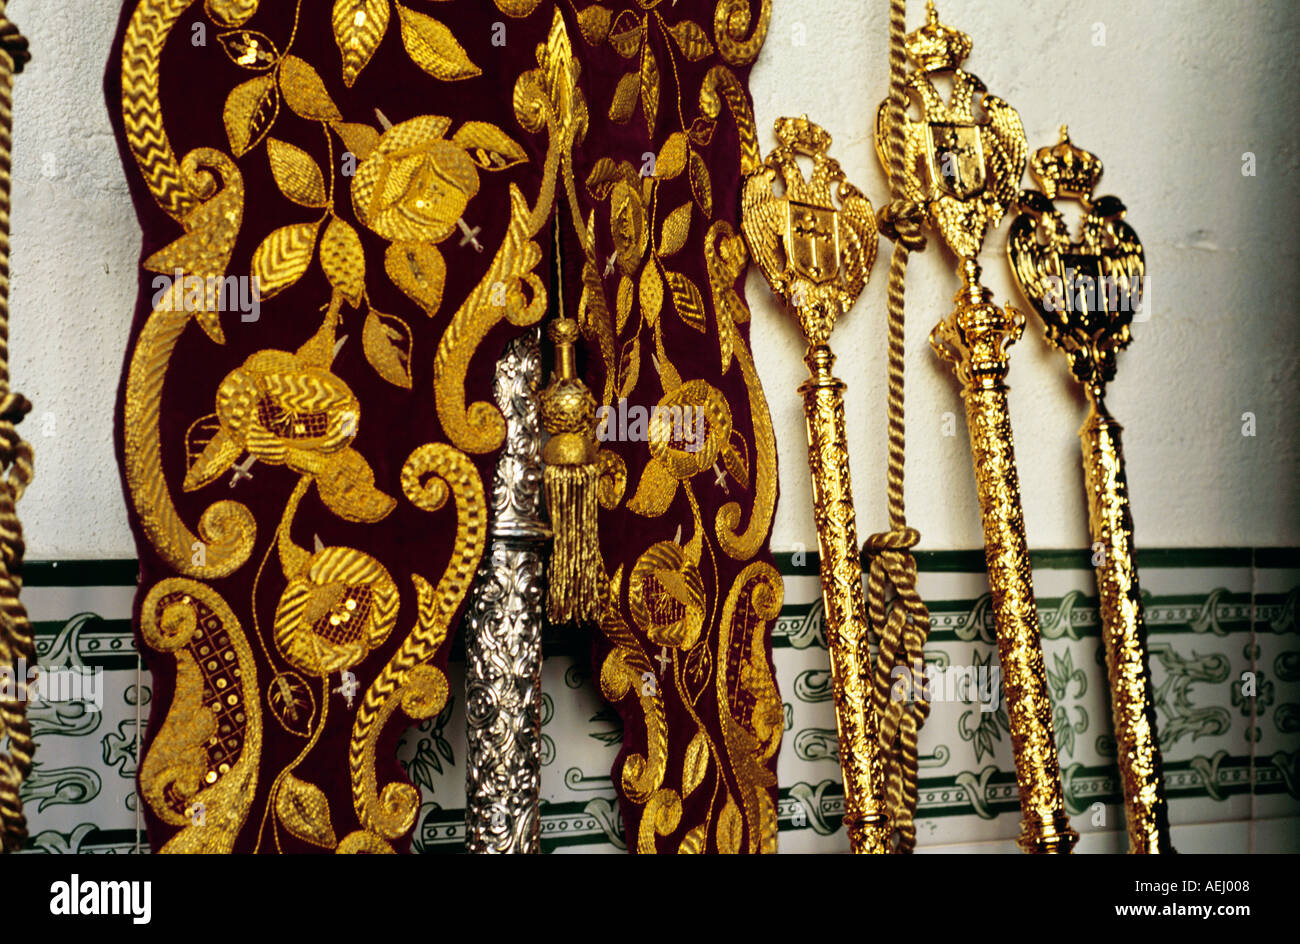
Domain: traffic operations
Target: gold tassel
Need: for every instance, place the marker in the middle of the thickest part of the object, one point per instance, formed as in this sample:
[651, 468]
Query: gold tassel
[569, 412]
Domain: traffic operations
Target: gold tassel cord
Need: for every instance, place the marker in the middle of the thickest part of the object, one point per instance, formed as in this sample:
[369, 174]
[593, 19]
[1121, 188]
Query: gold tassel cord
[903, 626]
[569, 414]
[17, 647]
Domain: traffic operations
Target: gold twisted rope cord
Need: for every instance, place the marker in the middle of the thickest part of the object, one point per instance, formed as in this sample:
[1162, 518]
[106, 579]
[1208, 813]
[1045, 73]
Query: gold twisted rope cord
[16, 643]
[902, 624]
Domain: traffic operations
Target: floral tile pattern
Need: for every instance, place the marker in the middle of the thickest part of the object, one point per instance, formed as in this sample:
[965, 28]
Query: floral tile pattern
[1225, 652]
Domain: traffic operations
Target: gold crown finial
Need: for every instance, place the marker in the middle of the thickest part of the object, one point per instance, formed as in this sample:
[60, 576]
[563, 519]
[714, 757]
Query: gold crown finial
[1065, 170]
[935, 47]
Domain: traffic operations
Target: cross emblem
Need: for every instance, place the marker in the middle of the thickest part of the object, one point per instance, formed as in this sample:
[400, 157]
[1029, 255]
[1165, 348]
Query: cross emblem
[662, 659]
[240, 471]
[720, 478]
[470, 235]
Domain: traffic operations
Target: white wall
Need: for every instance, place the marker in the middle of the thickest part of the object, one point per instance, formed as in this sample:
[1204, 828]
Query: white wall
[1171, 102]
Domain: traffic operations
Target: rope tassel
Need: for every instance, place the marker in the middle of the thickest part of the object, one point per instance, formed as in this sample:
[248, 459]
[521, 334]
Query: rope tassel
[900, 622]
[569, 413]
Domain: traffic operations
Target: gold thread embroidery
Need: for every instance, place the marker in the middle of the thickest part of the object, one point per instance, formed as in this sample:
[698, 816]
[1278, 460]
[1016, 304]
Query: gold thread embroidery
[408, 679]
[226, 528]
[547, 97]
[146, 33]
[663, 811]
[626, 670]
[433, 48]
[725, 253]
[201, 770]
[359, 25]
[730, 21]
[753, 718]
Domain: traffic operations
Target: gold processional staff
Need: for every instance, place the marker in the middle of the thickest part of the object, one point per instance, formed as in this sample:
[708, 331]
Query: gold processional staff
[1087, 291]
[963, 174]
[817, 257]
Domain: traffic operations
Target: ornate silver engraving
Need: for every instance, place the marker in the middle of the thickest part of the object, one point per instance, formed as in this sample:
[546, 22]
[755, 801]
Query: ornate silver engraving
[503, 645]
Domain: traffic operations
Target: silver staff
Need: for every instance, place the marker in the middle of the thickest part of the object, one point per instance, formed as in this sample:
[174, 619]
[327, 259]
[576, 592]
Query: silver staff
[503, 647]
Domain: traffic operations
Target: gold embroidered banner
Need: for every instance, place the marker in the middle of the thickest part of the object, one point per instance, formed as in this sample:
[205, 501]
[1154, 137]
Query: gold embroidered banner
[345, 210]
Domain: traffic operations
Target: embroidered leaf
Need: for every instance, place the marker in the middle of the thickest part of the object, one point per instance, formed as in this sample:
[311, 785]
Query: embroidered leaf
[346, 484]
[696, 763]
[604, 174]
[698, 666]
[304, 92]
[629, 366]
[304, 811]
[250, 110]
[701, 132]
[626, 295]
[692, 39]
[626, 41]
[594, 23]
[735, 462]
[731, 828]
[677, 226]
[386, 341]
[701, 185]
[418, 270]
[343, 260]
[249, 48]
[295, 173]
[209, 451]
[671, 159]
[621, 108]
[359, 139]
[283, 257]
[687, 300]
[292, 703]
[359, 25]
[655, 491]
[694, 841]
[489, 146]
[669, 379]
[651, 293]
[649, 87]
[433, 48]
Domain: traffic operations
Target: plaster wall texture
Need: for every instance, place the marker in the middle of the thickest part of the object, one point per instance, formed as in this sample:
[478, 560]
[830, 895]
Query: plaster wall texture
[1170, 96]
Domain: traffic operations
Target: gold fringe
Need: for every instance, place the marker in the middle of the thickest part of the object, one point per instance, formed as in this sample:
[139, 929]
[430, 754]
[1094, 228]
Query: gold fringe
[574, 578]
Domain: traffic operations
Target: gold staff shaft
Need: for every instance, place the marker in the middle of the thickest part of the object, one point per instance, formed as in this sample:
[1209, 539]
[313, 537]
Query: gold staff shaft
[975, 339]
[865, 817]
[815, 242]
[1124, 633]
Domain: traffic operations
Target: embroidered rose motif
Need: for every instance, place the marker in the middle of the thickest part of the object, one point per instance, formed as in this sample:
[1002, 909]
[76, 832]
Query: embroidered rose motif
[628, 224]
[689, 427]
[415, 184]
[666, 594]
[689, 430]
[284, 411]
[342, 606]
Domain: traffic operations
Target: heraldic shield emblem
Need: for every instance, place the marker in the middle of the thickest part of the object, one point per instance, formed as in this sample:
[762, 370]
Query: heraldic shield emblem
[956, 158]
[1087, 289]
[812, 241]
